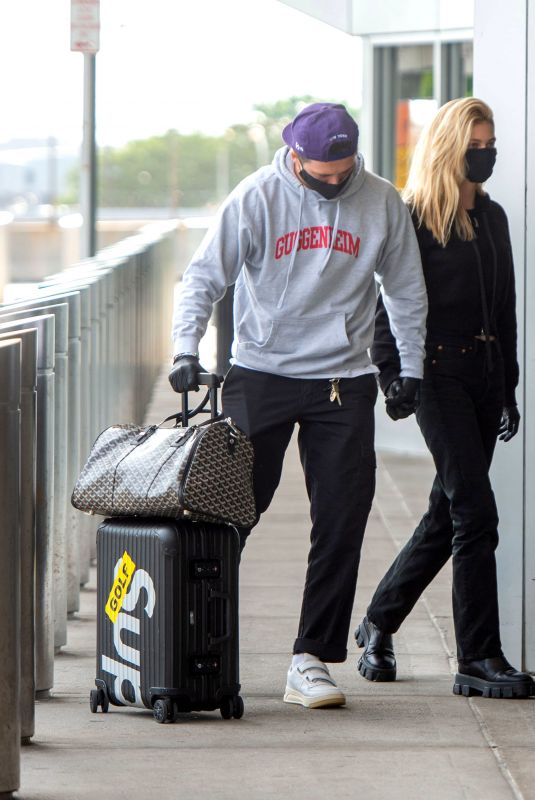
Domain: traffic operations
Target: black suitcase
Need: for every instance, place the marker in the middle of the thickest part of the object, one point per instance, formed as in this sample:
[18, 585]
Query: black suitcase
[167, 615]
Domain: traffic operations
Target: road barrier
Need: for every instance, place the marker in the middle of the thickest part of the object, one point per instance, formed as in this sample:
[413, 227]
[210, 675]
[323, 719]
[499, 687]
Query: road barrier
[44, 496]
[80, 354]
[10, 500]
[28, 452]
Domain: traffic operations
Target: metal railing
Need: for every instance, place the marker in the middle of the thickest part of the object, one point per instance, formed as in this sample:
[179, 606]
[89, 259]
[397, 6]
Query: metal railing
[81, 353]
[10, 358]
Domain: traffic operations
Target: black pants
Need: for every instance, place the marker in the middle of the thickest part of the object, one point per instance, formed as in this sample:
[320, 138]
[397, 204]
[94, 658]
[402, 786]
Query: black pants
[337, 454]
[459, 414]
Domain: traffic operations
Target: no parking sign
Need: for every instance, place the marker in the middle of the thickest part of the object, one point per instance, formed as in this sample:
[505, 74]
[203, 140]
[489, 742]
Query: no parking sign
[85, 25]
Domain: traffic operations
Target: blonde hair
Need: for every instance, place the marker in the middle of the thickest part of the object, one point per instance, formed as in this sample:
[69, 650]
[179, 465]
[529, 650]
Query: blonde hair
[438, 169]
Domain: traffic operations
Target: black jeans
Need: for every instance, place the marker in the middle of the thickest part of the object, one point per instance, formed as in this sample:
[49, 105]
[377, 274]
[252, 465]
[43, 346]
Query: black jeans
[459, 414]
[336, 445]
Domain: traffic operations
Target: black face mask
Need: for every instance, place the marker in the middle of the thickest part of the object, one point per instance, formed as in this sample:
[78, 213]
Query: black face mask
[480, 163]
[327, 190]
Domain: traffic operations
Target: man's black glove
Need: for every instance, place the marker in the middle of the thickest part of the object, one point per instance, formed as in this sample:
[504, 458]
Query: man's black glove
[509, 423]
[402, 397]
[184, 377]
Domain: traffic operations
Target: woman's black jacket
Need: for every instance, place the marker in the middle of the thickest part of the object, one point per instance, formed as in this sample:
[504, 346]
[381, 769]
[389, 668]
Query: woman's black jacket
[454, 290]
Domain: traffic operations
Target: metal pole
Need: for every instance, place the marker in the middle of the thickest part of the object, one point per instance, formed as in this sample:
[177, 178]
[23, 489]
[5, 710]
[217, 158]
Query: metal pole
[52, 177]
[10, 568]
[86, 524]
[28, 432]
[73, 517]
[61, 427]
[95, 387]
[44, 508]
[88, 182]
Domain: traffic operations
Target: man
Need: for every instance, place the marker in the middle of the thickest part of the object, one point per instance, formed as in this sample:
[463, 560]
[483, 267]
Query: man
[303, 240]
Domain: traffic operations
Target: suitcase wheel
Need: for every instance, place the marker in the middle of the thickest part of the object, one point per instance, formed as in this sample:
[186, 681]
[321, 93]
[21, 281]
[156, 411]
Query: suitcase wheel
[164, 710]
[93, 701]
[98, 697]
[232, 707]
[238, 707]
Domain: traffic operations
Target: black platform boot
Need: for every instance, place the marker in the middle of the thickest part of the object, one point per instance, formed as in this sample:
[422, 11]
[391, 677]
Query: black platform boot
[378, 662]
[492, 677]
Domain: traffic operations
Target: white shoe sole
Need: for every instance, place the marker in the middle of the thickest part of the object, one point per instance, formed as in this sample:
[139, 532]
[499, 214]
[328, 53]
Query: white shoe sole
[293, 696]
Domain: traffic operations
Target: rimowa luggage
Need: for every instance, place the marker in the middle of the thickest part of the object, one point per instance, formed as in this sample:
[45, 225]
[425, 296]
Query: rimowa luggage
[167, 617]
[167, 609]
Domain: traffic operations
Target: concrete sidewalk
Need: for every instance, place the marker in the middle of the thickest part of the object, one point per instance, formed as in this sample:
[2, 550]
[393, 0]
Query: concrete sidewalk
[408, 740]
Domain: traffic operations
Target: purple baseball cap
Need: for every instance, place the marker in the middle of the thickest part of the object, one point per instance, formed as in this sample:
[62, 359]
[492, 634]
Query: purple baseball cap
[322, 132]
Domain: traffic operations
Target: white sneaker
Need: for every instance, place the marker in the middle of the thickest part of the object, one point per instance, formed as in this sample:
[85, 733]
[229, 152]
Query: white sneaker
[310, 684]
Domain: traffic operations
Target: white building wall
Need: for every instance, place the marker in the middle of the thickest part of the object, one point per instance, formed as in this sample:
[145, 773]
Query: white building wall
[529, 361]
[501, 78]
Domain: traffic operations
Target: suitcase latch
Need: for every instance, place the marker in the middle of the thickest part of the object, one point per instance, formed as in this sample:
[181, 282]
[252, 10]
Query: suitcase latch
[205, 665]
[205, 568]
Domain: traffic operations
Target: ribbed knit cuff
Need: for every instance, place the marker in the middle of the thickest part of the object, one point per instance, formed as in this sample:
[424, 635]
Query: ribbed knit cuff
[185, 344]
[386, 376]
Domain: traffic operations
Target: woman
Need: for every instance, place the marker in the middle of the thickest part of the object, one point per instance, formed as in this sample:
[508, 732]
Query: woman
[467, 399]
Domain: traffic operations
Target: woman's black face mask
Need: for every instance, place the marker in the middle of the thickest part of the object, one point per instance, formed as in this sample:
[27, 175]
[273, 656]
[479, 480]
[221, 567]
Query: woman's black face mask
[480, 163]
[327, 190]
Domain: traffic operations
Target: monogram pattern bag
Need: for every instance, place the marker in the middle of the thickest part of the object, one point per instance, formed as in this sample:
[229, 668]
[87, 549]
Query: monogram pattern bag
[201, 472]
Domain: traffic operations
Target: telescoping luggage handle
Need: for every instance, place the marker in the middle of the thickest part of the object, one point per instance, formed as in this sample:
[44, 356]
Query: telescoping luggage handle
[213, 382]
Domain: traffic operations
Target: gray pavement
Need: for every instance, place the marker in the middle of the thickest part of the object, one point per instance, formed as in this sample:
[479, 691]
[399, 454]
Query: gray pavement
[412, 739]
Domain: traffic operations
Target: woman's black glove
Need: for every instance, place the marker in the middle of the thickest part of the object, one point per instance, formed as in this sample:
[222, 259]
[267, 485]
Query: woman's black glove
[184, 377]
[509, 423]
[402, 397]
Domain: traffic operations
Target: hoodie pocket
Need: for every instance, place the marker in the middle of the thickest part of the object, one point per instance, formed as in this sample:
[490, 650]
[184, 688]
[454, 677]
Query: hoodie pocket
[252, 330]
[308, 336]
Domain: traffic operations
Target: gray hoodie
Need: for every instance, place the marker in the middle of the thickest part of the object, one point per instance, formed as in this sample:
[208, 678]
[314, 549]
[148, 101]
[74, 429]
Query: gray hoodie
[305, 270]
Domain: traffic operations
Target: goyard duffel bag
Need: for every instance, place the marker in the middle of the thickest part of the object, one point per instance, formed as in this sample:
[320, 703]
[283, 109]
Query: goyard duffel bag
[200, 472]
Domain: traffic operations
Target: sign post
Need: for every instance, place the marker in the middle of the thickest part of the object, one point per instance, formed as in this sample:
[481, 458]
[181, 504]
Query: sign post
[85, 38]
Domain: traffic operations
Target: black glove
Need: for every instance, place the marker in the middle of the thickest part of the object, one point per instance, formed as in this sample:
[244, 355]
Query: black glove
[184, 377]
[509, 423]
[402, 397]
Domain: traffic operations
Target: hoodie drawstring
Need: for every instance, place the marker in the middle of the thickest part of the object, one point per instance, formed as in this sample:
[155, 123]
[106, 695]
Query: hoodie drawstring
[294, 249]
[333, 239]
[494, 264]
[296, 244]
[486, 329]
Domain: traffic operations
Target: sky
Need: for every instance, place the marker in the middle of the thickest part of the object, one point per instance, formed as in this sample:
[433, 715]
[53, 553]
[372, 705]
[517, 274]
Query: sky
[193, 65]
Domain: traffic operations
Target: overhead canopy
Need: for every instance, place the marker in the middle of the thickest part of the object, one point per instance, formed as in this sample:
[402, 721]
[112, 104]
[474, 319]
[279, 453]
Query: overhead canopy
[368, 17]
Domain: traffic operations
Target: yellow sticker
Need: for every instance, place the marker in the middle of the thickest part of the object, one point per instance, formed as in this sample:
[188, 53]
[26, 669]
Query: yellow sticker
[120, 586]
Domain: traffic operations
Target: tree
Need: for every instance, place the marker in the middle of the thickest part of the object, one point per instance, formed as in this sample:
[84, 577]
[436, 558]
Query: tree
[285, 110]
[179, 171]
[164, 171]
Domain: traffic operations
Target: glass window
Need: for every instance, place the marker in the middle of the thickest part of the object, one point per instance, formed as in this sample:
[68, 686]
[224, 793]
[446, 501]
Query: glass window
[457, 70]
[405, 98]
